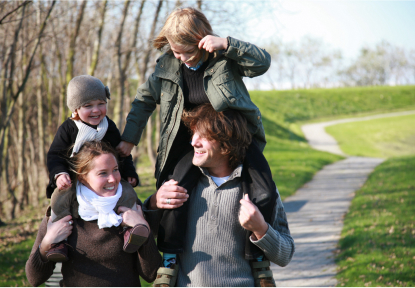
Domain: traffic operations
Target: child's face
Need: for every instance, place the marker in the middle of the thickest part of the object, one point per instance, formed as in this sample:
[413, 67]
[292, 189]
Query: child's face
[188, 54]
[92, 112]
[104, 177]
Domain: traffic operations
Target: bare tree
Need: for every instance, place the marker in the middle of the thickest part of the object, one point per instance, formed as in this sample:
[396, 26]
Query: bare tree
[97, 43]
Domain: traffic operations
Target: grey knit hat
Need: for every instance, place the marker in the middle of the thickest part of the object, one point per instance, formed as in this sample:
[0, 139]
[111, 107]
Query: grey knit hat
[83, 89]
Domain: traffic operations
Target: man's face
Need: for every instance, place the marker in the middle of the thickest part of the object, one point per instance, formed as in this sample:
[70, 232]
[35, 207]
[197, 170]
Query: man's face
[208, 155]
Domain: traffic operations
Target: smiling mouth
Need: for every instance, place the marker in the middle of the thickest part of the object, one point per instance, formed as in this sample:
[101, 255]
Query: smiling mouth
[199, 152]
[109, 188]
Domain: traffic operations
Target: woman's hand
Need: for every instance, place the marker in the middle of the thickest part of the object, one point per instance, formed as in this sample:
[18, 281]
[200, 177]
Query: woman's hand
[169, 196]
[212, 43]
[132, 217]
[124, 148]
[251, 218]
[56, 232]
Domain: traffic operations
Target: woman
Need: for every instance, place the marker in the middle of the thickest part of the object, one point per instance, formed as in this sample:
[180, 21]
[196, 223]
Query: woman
[96, 255]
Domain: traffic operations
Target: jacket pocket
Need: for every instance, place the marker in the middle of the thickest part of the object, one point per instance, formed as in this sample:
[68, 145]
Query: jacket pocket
[227, 86]
[168, 98]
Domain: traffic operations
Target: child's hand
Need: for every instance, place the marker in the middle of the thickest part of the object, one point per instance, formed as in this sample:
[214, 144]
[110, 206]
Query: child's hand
[212, 43]
[63, 182]
[124, 148]
[132, 181]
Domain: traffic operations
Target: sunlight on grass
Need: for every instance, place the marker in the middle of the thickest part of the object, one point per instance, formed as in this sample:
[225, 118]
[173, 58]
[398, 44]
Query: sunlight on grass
[384, 137]
[378, 237]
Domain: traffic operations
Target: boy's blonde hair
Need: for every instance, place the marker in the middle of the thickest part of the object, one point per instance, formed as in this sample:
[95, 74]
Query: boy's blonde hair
[185, 27]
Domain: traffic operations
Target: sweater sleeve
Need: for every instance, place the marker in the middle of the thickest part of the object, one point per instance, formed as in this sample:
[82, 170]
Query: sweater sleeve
[38, 271]
[252, 61]
[149, 258]
[277, 243]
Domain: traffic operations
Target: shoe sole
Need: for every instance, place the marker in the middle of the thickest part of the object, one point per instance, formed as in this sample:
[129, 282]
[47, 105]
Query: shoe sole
[138, 236]
[57, 257]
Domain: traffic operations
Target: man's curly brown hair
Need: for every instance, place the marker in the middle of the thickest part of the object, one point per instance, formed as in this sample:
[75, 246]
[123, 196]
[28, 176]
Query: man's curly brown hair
[229, 128]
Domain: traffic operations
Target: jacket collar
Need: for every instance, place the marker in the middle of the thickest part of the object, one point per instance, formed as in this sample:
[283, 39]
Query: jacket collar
[168, 67]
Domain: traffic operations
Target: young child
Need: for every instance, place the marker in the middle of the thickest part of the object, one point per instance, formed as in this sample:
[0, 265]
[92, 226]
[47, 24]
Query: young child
[87, 99]
[198, 68]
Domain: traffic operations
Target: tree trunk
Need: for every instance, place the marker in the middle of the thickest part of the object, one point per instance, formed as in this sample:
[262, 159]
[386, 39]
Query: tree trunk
[71, 54]
[119, 101]
[97, 43]
[21, 189]
[6, 118]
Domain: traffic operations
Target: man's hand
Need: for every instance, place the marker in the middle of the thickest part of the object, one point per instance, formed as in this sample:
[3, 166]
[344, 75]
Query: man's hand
[212, 43]
[251, 218]
[169, 192]
[63, 182]
[124, 148]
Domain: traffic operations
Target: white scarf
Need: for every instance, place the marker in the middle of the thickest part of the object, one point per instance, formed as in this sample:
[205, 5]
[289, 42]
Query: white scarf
[87, 133]
[93, 207]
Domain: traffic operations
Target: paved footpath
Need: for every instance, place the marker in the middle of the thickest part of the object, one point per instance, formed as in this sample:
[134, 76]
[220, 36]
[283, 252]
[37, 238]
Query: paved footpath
[315, 212]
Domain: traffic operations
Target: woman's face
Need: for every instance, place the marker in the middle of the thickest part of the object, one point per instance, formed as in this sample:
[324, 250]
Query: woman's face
[104, 177]
[188, 54]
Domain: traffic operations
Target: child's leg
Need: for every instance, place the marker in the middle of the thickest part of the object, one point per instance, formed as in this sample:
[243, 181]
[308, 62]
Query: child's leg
[59, 251]
[169, 259]
[173, 224]
[135, 236]
[53, 215]
[257, 182]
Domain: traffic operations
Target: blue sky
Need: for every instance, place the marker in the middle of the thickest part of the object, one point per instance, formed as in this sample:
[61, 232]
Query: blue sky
[346, 25]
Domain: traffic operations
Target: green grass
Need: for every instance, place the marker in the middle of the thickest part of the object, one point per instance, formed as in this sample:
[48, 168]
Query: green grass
[378, 238]
[316, 104]
[384, 137]
[13, 260]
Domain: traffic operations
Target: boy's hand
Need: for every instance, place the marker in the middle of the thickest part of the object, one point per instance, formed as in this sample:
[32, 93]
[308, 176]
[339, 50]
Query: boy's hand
[132, 181]
[124, 148]
[63, 182]
[212, 43]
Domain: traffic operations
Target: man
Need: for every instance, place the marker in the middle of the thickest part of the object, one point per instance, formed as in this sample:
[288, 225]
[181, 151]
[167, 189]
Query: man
[220, 211]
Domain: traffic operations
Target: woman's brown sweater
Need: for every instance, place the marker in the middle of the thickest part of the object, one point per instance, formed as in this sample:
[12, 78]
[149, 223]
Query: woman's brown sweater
[97, 258]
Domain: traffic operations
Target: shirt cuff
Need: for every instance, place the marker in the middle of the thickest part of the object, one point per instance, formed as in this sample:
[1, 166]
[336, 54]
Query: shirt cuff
[56, 175]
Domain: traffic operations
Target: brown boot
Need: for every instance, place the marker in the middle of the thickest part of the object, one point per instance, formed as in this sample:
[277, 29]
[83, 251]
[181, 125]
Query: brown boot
[166, 277]
[262, 274]
[58, 252]
[135, 237]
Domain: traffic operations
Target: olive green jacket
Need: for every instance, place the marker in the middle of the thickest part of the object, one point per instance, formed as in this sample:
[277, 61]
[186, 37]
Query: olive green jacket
[223, 85]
